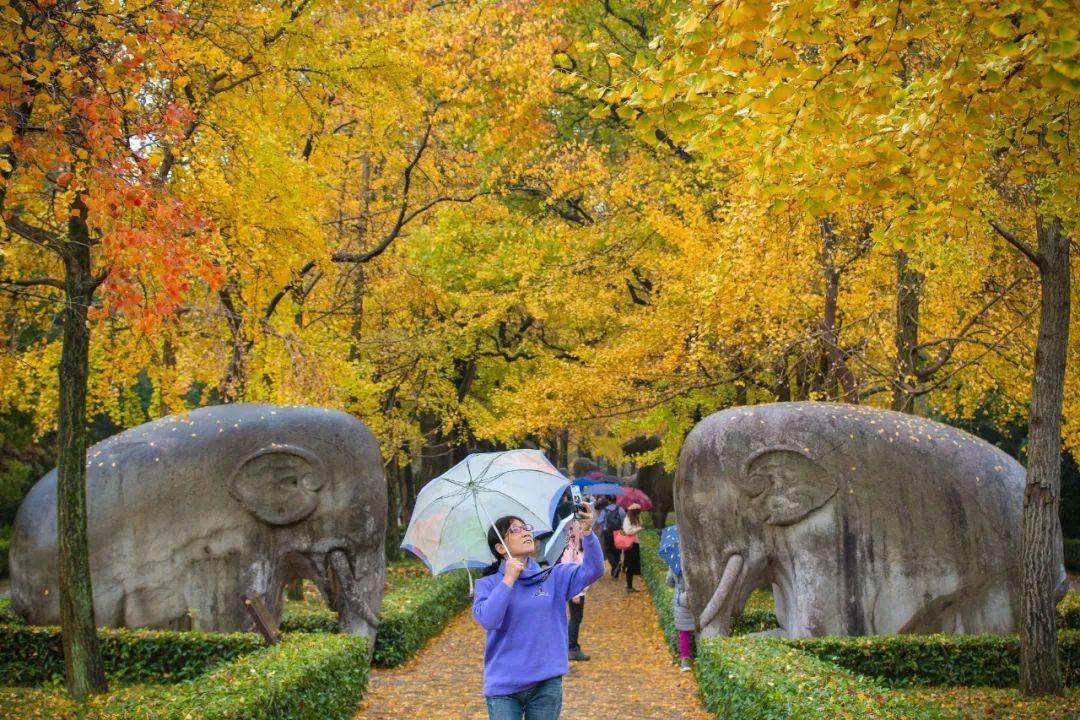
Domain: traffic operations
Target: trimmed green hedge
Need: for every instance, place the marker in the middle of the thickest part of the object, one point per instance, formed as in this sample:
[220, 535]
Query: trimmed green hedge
[412, 613]
[654, 570]
[971, 660]
[308, 620]
[416, 613]
[1072, 555]
[1068, 612]
[7, 615]
[35, 655]
[761, 678]
[305, 677]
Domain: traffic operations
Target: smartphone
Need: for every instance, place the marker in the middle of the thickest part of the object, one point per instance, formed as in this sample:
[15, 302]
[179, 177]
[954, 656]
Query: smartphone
[579, 502]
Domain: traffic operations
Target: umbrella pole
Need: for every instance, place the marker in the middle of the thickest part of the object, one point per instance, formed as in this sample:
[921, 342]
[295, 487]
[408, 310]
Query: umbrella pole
[491, 523]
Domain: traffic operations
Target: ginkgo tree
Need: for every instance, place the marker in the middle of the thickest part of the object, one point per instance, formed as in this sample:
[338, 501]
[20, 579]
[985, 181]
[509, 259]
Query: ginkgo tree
[950, 122]
[80, 196]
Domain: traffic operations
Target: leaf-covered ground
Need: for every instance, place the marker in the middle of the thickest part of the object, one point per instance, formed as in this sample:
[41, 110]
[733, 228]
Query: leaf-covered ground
[631, 673]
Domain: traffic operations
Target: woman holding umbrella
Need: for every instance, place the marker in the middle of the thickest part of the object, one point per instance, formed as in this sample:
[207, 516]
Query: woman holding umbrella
[632, 554]
[523, 610]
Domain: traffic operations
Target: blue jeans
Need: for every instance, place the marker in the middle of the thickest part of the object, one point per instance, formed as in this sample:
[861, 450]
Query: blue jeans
[542, 701]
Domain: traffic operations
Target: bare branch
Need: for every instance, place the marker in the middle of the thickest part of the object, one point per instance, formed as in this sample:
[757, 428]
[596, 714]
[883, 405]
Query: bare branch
[36, 235]
[31, 282]
[1029, 252]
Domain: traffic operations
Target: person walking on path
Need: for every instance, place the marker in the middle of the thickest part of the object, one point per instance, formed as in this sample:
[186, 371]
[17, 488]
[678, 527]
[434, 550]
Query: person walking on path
[613, 520]
[684, 620]
[632, 555]
[522, 610]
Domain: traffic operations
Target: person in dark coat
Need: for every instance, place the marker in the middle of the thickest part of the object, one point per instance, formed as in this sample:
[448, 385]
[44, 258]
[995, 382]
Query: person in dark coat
[612, 521]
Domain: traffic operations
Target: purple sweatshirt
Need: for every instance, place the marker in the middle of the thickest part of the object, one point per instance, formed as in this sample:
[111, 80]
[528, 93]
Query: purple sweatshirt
[526, 624]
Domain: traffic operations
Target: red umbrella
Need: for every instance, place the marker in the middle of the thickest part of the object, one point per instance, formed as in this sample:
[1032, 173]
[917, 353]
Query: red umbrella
[633, 495]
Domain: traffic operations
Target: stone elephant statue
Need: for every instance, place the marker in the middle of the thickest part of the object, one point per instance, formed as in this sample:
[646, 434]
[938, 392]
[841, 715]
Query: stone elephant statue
[657, 483]
[186, 513]
[864, 521]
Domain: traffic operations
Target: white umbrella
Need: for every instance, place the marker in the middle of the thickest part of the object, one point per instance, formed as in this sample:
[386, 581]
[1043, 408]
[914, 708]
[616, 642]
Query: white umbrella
[450, 521]
[556, 544]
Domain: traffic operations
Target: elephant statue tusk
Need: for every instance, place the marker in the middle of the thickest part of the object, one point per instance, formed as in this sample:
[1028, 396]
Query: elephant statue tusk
[723, 591]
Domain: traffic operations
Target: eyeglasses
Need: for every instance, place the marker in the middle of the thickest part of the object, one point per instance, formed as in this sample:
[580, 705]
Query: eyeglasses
[514, 530]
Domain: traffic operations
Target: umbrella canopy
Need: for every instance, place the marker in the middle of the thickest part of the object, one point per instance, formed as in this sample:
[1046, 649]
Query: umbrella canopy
[602, 488]
[453, 512]
[669, 548]
[553, 548]
[593, 477]
[633, 495]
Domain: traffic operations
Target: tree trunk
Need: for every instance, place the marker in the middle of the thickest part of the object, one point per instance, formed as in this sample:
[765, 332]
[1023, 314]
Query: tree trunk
[834, 375]
[168, 363]
[1041, 532]
[360, 279]
[908, 284]
[233, 386]
[394, 504]
[83, 668]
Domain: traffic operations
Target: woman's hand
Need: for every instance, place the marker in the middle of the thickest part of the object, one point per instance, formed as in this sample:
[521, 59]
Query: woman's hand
[586, 518]
[512, 571]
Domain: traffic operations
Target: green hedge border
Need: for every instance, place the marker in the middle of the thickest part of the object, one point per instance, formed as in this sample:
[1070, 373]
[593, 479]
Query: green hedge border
[35, 655]
[411, 615]
[943, 660]
[761, 678]
[210, 676]
[304, 677]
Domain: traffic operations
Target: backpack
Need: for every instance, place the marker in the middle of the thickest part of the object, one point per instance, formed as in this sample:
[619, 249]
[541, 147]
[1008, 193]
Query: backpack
[613, 519]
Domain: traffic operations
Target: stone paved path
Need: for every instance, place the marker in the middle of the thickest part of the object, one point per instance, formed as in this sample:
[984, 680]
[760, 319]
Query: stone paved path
[630, 675]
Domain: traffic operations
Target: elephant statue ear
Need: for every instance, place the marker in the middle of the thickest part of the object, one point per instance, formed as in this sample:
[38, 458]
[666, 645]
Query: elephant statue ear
[279, 484]
[786, 485]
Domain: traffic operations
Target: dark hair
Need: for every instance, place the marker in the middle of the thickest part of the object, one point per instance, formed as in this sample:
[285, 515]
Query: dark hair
[634, 514]
[502, 525]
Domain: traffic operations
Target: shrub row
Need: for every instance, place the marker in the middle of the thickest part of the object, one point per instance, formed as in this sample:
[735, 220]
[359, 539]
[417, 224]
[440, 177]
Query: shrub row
[35, 655]
[761, 678]
[412, 613]
[654, 571]
[1068, 612]
[971, 660]
[1072, 555]
[415, 614]
[7, 615]
[305, 677]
